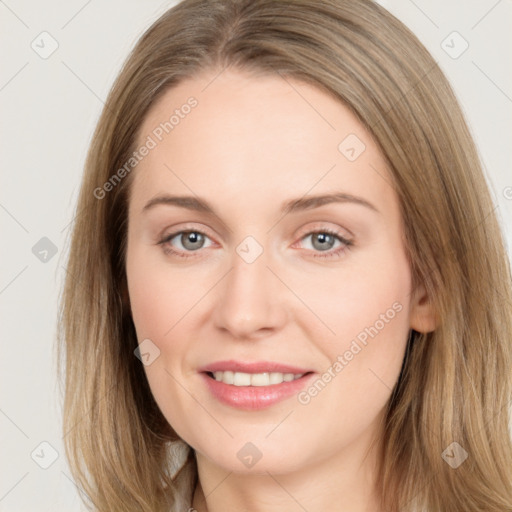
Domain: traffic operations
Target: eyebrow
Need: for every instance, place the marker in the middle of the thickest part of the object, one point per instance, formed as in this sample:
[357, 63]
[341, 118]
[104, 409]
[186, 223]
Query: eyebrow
[291, 206]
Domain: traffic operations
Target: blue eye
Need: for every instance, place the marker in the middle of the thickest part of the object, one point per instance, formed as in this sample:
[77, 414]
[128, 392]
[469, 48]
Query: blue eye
[193, 240]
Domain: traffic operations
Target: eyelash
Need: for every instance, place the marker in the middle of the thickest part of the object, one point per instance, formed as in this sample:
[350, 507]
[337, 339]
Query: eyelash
[331, 254]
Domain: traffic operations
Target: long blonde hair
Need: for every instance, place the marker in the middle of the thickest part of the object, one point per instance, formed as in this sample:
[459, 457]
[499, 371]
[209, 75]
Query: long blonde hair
[456, 382]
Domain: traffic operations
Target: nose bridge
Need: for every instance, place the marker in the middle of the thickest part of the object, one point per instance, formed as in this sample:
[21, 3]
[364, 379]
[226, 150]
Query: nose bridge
[251, 299]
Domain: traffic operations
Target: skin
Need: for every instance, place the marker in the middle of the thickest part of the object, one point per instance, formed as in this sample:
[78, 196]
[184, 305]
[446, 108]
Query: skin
[252, 143]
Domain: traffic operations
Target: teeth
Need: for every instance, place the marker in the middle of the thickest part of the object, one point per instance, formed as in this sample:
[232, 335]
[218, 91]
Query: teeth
[255, 379]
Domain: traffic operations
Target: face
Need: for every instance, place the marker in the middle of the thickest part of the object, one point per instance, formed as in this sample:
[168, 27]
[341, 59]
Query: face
[275, 302]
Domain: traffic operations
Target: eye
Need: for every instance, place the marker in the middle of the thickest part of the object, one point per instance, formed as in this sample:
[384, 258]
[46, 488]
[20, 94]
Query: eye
[190, 241]
[324, 240]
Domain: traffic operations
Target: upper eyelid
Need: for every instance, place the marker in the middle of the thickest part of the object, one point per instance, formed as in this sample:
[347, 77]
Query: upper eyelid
[173, 234]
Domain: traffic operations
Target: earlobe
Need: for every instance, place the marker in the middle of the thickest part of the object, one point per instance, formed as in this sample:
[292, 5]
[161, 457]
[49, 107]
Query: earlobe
[423, 316]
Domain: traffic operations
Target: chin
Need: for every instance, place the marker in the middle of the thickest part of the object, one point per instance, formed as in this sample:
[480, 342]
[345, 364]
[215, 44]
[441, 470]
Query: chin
[248, 458]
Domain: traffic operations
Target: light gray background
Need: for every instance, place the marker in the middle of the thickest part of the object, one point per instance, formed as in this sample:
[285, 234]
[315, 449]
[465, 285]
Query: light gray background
[49, 109]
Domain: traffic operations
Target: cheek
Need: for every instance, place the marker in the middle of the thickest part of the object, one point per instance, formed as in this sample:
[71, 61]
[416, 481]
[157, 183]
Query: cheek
[165, 304]
[149, 305]
[159, 314]
[375, 307]
[371, 321]
[156, 303]
[368, 292]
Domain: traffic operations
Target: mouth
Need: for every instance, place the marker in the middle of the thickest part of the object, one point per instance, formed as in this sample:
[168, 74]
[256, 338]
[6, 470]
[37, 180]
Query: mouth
[253, 386]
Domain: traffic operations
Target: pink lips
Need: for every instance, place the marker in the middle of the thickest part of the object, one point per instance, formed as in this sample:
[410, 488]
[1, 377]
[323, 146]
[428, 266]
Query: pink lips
[253, 398]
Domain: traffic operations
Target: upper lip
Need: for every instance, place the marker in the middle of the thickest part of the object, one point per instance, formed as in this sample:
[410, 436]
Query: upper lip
[252, 367]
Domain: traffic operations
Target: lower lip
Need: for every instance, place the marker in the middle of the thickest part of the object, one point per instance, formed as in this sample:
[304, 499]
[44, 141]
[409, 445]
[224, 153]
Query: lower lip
[254, 398]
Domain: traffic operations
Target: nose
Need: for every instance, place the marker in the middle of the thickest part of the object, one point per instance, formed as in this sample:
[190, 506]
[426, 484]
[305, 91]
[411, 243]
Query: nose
[251, 302]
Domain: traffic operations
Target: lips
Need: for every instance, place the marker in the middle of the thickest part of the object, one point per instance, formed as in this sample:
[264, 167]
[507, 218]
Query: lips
[253, 386]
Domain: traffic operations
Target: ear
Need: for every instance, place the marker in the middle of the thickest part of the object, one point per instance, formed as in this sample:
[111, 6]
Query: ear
[422, 312]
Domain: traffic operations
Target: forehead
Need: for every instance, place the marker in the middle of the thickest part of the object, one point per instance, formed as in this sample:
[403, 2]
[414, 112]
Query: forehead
[233, 135]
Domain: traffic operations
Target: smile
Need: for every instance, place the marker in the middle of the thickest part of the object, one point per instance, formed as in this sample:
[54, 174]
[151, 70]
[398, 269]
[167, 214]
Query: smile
[254, 379]
[253, 386]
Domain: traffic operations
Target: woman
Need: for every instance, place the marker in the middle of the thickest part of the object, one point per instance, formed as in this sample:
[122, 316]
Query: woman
[287, 287]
